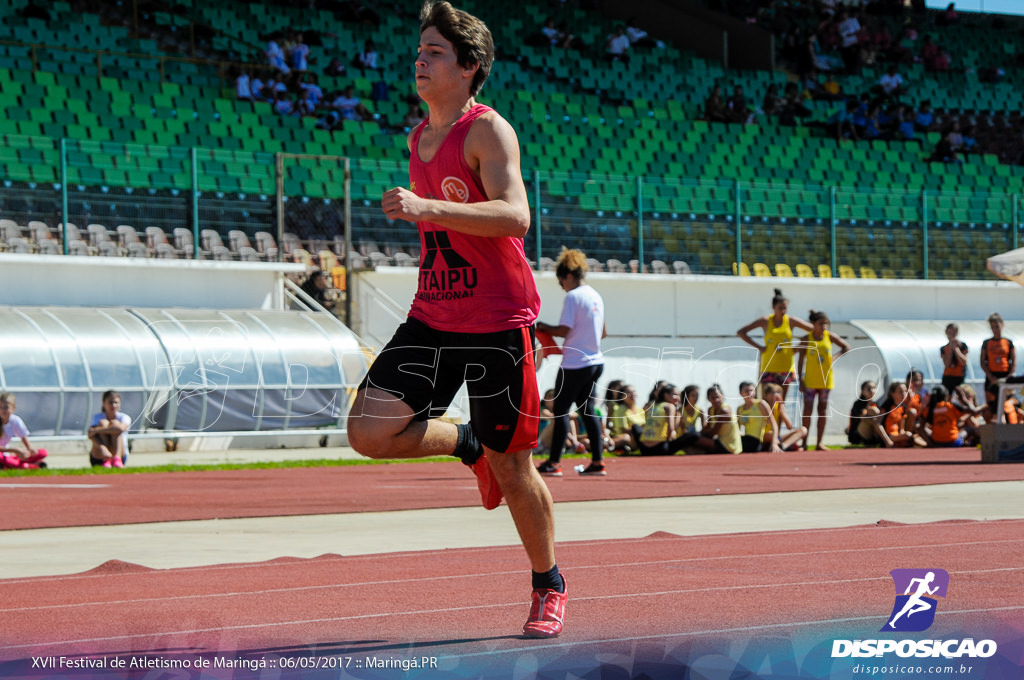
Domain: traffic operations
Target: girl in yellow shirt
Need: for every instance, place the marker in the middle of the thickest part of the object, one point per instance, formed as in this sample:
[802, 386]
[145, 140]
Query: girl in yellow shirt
[815, 369]
[776, 353]
[722, 433]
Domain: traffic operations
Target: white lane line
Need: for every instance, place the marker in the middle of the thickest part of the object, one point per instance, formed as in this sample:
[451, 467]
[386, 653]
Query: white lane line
[13, 485]
[306, 622]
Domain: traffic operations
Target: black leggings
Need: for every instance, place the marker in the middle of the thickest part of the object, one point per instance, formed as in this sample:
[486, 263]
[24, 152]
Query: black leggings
[577, 386]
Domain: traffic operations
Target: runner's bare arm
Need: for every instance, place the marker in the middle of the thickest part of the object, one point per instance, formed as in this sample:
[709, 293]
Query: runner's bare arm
[492, 151]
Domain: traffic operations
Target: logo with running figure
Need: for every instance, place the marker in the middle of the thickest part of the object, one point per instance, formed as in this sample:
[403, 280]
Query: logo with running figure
[916, 590]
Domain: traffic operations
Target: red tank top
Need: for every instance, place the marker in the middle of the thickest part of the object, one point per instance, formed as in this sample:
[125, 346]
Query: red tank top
[467, 284]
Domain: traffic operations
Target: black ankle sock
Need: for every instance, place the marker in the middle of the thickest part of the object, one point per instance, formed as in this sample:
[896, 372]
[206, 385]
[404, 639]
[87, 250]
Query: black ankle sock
[549, 580]
[467, 448]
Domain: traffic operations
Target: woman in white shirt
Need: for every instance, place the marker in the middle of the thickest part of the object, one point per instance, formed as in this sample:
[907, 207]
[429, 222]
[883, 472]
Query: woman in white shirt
[582, 325]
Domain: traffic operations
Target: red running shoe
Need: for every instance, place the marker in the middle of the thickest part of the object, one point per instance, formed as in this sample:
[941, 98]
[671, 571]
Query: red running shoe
[547, 613]
[490, 492]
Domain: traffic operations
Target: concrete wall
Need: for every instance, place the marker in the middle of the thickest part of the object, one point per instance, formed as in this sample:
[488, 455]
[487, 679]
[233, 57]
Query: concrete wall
[47, 280]
[683, 328]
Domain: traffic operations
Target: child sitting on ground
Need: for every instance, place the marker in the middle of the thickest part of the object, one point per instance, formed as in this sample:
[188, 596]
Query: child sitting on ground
[108, 433]
[789, 436]
[623, 414]
[12, 426]
[943, 420]
[891, 422]
[760, 431]
[722, 433]
[861, 430]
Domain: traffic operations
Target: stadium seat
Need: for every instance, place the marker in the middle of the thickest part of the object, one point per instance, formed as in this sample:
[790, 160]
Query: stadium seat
[782, 269]
[740, 269]
[761, 269]
[824, 271]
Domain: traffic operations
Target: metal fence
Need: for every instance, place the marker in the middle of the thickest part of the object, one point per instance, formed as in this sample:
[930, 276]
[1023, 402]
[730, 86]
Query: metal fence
[325, 211]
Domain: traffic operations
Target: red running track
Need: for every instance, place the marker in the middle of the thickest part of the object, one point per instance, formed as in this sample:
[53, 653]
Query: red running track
[651, 607]
[139, 498]
[466, 604]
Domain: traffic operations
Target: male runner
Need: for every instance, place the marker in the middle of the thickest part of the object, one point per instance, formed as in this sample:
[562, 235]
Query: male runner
[471, 320]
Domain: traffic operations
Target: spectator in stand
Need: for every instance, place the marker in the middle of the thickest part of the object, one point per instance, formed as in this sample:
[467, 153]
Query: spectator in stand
[956, 138]
[335, 68]
[256, 88]
[812, 85]
[414, 116]
[929, 53]
[881, 37]
[891, 82]
[832, 91]
[739, 111]
[715, 110]
[638, 37]
[924, 119]
[970, 140]
[311, 96]
[772, 103]
[949, 17]
[367, 59]
[617, 46]
[275, 57]
[903, 50]
[944, 151]
[840, 123]
[903, 126]
[349, 107]
[299, 55]
[849, 28]
[792, 106]
[243, 87]
[283, 104]
[315, 287]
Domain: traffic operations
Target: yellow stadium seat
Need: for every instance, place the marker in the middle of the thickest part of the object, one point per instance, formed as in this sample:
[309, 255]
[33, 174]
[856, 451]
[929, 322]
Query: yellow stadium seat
[824, 271]
[761, 269]
[804, 272]
[782, 269]
[846, 272]
[867, 273]
[741, 269]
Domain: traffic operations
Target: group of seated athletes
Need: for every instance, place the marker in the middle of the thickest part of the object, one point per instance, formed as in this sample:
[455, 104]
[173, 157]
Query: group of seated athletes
[671, 422]
[949, 413]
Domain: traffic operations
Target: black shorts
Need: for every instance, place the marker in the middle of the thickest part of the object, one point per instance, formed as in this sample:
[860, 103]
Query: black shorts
[951, 382]
[992, 389]
[425, 368]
